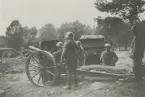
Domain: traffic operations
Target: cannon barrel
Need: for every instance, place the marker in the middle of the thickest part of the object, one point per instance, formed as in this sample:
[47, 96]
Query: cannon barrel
[34, 48]
[48, 54]
[6, 49]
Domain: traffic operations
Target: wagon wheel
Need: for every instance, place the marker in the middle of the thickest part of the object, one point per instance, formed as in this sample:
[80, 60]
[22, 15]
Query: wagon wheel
[41, 69]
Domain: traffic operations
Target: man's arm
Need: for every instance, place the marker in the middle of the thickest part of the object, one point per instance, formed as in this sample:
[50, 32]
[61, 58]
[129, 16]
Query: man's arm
[115, 56]
[133, 29]
[63, 54]
[64, 50]
[101, 57]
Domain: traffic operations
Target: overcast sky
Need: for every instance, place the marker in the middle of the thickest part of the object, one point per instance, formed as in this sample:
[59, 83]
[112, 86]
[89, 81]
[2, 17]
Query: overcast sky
[39, 12]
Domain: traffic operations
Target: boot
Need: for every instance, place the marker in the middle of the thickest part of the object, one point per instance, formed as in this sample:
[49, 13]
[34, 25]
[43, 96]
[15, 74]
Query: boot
[69, 81]
[138, 75]
[68, 87]
[137, 70]
[75, 81]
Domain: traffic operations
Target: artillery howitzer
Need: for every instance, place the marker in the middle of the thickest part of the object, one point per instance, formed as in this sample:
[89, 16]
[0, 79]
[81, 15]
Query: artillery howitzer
[42, 69]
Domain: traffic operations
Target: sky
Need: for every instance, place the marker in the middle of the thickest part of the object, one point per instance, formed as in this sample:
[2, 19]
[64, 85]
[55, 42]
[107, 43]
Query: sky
[40, 12]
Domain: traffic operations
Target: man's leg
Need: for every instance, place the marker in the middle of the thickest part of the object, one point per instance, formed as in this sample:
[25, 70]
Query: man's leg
[137, 68]
[138, 54]
[75, 79]
[69, 79]
[1, 57]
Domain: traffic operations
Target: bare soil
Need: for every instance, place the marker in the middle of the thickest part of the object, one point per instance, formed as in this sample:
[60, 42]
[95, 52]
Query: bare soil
[16, 84]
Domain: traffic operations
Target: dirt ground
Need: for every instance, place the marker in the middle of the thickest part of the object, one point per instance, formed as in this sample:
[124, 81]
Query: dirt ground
[16, 84]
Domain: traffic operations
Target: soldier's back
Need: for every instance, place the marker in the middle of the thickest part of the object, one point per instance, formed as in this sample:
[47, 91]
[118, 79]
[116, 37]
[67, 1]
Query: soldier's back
[71, 55]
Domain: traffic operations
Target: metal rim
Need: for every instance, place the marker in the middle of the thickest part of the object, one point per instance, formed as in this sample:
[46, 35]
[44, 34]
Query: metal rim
[40, 73]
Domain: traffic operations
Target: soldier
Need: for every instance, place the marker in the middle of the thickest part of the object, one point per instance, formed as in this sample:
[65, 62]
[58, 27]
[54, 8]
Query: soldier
[108, 57]
[69, 54]
[138, 48]
[82, 54]
[57, 54]
[59, 45]
[1, 57]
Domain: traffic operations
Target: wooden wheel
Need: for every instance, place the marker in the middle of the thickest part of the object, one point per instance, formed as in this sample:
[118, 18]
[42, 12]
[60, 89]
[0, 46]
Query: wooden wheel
[41, 68]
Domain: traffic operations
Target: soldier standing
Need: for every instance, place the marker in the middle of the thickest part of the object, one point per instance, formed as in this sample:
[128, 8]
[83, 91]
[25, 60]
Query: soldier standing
[138, 49]
[82, 54]
[69, 54]
[57, 56]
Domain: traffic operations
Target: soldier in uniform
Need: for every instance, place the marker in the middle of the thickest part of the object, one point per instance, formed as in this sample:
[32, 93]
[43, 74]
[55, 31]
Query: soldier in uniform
[82, 54]
[69, 54]
[57, 54]
[138, 48]
[108, 57]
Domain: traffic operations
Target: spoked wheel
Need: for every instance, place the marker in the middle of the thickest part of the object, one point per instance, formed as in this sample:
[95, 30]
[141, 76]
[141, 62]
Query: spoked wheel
[41, 68]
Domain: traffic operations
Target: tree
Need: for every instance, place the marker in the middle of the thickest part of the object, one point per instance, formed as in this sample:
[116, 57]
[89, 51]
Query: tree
[113, 28]
[128, 10]
[30, 36]
[46, 33]
[108, 25]
[26, 32]
[33, 31]
[76, 27]
[30, 31]
[15, 34]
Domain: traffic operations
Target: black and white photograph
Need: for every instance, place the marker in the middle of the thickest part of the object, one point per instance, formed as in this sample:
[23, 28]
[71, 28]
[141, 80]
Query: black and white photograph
[72, 48]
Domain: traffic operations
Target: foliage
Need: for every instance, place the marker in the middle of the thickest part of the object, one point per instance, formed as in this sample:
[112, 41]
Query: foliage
[33, 31]
[48, 32]
[126, 9]
[14, 29]
[19, 36]
[25, 31]
[30, 31]
[14, 34]
[114, 29]
[108, 26]
[30, 36]
[76, 27]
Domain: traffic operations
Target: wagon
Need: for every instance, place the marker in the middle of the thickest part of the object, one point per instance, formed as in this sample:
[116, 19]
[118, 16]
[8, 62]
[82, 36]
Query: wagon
[93, 45]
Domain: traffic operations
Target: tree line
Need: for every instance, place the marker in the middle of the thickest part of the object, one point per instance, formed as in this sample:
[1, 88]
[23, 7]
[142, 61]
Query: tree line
[22, 36]
[116, 27]
[111, 27]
